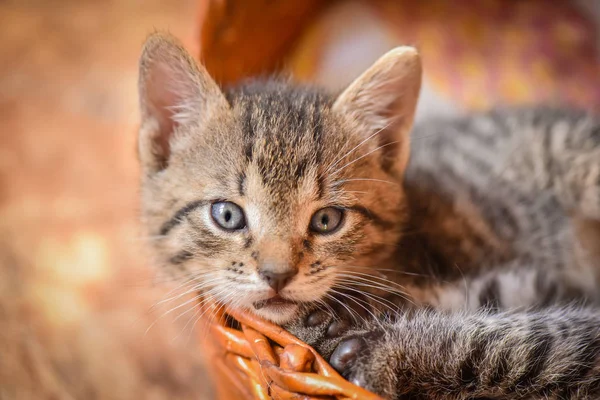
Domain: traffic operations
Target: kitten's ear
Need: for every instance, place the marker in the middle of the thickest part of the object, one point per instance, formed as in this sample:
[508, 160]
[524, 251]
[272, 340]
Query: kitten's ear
[381, 104]
[174, 90]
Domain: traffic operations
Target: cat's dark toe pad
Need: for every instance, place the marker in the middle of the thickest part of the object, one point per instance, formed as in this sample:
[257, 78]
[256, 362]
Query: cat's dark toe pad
[350, 353]
[337, 327]
[337, 317]
[345, 354]
[334, 325]
[318, 317]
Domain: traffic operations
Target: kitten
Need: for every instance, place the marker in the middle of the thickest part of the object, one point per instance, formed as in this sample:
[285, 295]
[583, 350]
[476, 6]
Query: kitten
[469, 271]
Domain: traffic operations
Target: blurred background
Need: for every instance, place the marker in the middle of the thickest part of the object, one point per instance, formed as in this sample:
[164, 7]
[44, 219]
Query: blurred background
[76, 286]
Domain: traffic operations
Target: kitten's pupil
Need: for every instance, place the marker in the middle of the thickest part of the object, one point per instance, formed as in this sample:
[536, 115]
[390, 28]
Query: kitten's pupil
[227, 216]
[325, 220]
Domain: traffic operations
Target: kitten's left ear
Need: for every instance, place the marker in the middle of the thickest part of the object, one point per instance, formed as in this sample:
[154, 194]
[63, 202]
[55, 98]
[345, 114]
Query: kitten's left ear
[174, 91]
[381, 104]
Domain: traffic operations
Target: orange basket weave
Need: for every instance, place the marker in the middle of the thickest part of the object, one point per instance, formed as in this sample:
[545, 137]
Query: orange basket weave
[262, 361]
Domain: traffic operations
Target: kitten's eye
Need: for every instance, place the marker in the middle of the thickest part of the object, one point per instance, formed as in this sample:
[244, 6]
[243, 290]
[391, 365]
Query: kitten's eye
[228, 215]
[326, 220]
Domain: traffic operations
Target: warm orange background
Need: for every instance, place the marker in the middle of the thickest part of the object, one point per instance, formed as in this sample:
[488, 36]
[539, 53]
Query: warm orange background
[75, 285]
[74, 290]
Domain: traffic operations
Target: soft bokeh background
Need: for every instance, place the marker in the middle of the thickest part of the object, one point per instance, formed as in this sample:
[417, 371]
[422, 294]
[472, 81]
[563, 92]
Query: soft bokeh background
[76, 287]
[75, 290]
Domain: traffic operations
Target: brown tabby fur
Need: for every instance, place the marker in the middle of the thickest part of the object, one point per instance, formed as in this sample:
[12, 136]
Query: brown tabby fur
[496, 212]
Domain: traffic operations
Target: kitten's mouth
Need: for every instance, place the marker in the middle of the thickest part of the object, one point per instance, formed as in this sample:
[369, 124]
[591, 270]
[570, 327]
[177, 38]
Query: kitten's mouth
[275, 301]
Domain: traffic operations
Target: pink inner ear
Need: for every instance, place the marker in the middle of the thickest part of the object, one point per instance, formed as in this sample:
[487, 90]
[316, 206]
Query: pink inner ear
[162, 99]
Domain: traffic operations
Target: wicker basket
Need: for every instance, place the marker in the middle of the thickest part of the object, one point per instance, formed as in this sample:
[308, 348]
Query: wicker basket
[262, 361]
[242, 38]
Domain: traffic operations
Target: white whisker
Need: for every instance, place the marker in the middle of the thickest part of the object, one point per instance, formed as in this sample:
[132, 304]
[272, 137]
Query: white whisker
[361, 157]
[356, 147]
[367, 309]
[367, 180]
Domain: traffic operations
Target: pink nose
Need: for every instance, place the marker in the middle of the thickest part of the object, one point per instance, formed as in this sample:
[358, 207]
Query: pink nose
[277, 280]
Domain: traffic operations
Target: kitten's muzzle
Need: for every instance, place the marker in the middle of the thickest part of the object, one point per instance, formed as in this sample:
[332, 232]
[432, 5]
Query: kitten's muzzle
[277, 280]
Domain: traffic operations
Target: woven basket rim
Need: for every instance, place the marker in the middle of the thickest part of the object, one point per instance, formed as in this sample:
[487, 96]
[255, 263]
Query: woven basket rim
[270, 362]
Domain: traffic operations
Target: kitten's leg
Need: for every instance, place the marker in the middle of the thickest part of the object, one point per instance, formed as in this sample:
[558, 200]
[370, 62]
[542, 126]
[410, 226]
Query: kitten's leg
[513, 285]
[546, 354]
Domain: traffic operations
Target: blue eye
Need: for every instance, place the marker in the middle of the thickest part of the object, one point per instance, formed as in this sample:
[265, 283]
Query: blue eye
[228, 215]
[326, 220]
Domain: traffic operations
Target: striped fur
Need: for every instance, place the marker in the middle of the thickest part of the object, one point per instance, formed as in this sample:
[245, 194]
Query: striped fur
[470, 271]
[502, 245]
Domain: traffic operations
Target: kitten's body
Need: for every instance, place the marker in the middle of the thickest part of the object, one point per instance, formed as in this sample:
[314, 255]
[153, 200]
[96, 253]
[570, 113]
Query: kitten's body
[497, 207]
[496, 212]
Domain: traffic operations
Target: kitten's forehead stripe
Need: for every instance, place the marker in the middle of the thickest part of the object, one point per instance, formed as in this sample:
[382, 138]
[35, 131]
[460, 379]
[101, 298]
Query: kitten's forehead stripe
[242, 184]
[301, 168]
[248, 130]
[320, 186]
[282, 132]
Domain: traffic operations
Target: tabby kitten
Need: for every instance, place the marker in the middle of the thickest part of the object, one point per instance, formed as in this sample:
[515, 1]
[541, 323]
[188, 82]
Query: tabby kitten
[470, 271]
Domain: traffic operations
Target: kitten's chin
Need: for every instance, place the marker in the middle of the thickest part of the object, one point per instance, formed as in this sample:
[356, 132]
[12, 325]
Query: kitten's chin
[278, 314]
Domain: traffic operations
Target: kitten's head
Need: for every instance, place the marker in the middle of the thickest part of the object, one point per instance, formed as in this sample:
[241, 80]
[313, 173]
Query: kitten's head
[270, 195]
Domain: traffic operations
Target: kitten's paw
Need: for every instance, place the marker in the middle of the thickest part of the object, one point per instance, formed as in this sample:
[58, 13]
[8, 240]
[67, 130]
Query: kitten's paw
[345, 355]
[324, 327]
[333, 322]
[351, 354]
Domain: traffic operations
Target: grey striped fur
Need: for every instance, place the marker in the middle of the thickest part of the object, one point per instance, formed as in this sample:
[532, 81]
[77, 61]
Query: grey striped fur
[468, 271]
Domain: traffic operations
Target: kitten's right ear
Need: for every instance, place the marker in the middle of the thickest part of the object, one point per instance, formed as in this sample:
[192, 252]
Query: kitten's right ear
[174, 90]
[382, 102]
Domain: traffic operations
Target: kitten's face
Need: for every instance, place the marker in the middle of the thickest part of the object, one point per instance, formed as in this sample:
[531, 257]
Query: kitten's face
[271, 196]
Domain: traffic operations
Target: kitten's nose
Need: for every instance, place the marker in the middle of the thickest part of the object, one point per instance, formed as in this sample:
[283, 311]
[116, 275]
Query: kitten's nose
[277, 280]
